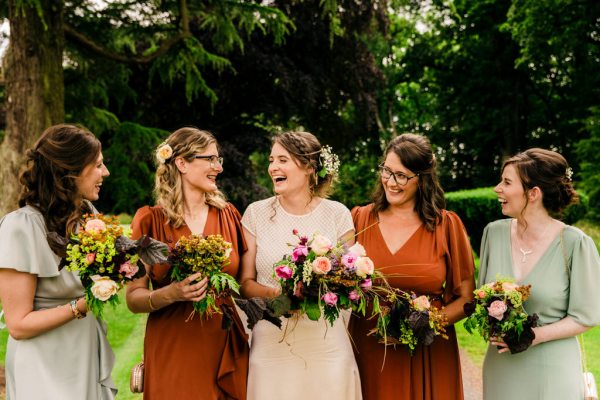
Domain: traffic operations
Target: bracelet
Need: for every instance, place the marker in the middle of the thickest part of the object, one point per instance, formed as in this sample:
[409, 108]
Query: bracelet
[76, 313]
[152, 308]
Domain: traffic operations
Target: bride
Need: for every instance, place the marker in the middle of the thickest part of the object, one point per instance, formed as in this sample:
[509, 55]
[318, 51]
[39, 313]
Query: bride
[304, 359]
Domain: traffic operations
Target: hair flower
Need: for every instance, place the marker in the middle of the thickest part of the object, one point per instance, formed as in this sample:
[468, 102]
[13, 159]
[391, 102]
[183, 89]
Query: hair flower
[569, 173]
[164, 152]
[330, 162]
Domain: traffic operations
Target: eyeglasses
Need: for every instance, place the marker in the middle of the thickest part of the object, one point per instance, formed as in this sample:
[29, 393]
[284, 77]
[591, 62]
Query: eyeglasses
[212, 159]
[400, 178]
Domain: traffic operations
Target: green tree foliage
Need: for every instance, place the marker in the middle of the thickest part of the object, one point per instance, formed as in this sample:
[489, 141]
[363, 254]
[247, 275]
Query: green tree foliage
[588, 151]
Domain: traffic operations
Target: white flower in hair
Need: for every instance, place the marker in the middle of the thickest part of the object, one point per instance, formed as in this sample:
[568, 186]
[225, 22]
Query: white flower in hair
[569, 173]
[164, 152]
[330, 162]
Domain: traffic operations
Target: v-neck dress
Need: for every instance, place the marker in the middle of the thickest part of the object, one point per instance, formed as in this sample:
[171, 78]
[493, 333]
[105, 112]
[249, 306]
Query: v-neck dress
[196, 358]
[430, 263]
[563, 283]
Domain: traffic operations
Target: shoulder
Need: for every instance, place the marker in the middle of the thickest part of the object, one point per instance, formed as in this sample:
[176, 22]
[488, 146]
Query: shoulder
[262, 204]
[147, 214]
[498, 226]
[361, 213]
[229, 211]
[335, 206]
[24, 218]
[575, 235]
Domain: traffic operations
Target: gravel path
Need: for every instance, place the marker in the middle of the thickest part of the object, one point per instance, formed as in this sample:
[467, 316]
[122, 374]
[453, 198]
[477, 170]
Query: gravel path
[471, 375]
[2, 382]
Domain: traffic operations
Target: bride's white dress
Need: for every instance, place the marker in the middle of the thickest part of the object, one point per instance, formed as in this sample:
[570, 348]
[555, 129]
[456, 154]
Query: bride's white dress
[305, 359]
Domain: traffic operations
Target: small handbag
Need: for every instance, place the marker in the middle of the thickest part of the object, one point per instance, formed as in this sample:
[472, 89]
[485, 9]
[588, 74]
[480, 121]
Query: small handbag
[136, 380]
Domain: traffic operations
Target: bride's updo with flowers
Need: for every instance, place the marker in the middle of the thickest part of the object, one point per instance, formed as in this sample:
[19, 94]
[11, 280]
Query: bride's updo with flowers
[185, 143]
[308, 152]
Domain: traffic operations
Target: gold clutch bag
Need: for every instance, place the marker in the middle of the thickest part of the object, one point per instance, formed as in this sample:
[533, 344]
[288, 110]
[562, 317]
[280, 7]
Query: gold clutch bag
[136, 380]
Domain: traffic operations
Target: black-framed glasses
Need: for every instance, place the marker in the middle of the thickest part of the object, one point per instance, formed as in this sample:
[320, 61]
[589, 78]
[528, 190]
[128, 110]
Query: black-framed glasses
[400, 178]
[212, 159]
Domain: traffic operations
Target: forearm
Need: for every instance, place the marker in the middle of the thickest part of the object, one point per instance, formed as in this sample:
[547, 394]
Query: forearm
[38, 322]
[144, 300]
[250, 288]
[564, 328]
[454, 311]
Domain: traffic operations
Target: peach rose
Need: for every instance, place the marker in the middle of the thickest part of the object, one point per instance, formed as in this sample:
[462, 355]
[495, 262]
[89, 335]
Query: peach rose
[95, 225]
[358, 249]
[163, 153]
[104, 287]
[421, 303]
[320, 245]
[364, 266]
[90, 258]
[321, 265]
[497, 309]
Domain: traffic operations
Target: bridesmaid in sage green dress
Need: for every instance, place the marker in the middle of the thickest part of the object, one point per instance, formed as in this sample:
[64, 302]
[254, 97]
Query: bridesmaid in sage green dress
[55, 350]
[562, 266]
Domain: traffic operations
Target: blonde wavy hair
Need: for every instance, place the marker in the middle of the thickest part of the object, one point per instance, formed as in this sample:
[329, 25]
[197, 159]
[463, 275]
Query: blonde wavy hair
[168, 188]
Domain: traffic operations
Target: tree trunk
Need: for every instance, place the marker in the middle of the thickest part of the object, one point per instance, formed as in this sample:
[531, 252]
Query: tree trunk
[34, 87]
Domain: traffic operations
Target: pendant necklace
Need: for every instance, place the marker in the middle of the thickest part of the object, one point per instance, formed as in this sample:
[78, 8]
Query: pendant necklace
[526, 252]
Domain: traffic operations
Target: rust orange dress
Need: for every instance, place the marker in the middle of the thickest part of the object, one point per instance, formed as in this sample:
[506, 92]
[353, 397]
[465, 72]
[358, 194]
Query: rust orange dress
[196, 359]
[430, 263]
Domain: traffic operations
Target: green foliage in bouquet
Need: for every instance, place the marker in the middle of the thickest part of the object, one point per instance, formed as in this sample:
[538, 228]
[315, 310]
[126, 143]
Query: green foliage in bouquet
[207, 255]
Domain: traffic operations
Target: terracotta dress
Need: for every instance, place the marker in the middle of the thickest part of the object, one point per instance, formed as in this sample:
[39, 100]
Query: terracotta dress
[196, 359]
[430, 263]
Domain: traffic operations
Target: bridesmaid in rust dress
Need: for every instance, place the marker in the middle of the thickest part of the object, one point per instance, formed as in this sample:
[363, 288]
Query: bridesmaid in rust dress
[408, 234]
[188, 358]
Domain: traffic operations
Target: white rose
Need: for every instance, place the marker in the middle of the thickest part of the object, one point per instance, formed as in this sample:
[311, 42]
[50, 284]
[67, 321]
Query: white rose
[364, 266]
[358, 249]
[104, 287]
[320, 245]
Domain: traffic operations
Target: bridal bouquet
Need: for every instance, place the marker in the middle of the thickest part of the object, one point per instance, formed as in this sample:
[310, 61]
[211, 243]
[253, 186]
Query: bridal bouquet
[497, 311]
[410, 320]
[319, 278]
[207, 255]
[106, 259]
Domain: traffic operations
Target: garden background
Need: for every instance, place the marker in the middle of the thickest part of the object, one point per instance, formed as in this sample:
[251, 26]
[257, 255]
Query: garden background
[482, 79]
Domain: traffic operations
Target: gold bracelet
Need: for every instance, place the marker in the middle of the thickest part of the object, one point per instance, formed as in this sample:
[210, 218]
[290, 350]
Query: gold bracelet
[152, 308]
[76, 313]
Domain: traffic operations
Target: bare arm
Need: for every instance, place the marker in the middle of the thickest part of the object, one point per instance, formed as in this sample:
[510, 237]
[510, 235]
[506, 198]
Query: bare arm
[454, 310]
[17, 292]
[140, 299]
[249, 286]
[348, 237]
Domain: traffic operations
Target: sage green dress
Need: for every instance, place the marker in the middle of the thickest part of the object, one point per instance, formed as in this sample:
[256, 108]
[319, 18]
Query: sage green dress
[563, 283]
[71, 362]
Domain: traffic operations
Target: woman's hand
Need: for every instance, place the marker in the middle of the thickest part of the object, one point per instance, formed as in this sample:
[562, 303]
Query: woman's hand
[189, 289]
[499, 343]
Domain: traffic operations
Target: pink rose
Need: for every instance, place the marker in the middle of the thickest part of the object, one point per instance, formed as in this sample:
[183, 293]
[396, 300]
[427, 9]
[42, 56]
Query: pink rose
[364, 266]
[95, 225]
[353, 295]
[320, 245]
[366, 284]
[330, 298]
[421, 303]
[298, 252]
[497, 309]
[358, 249]
[509, 286]
[284, 272]
[128, 269]
[90, 258]
[295, 231]
[321, 265]
[480, 294]
[348, 260]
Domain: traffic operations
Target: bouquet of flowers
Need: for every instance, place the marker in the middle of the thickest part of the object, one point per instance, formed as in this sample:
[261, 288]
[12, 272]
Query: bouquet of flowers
[410, 320]
[497, 311]
[320, 278]
[106, 259]
[207, 255]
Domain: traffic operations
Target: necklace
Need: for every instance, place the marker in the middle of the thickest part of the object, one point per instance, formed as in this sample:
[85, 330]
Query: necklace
[526, 252]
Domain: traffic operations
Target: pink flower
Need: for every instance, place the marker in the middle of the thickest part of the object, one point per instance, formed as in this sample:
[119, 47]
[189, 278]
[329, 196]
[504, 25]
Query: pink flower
[480, 294]
[95, 225]
[421, 303]
[320, 245]
[298, 252]
[284, 272]
[358, 249]
[128, 269]
[90, 258]
[366, 284]
[497, 309]
[364, 266]
[353, 295]
[348, 260]
[295, 231]
[330, 298]
[321, 265]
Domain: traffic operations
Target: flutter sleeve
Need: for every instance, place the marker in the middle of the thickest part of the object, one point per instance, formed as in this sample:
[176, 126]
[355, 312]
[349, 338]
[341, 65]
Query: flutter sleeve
[249, 219]
[343, 220]
[142, 223]
[584, 296]
[483, 257]
[459, 256]
[236, 227]
[23, 244]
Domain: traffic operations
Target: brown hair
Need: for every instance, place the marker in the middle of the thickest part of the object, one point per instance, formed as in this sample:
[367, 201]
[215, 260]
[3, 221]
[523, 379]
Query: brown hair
[305, 148]
[549, 171]
[186, 143]
[416, 154]
[49, 180]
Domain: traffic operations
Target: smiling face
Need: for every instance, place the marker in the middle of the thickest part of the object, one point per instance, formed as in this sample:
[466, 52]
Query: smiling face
[198, 174]
[511, 194]
[287, 175]
[90, 179]
[397, 195]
